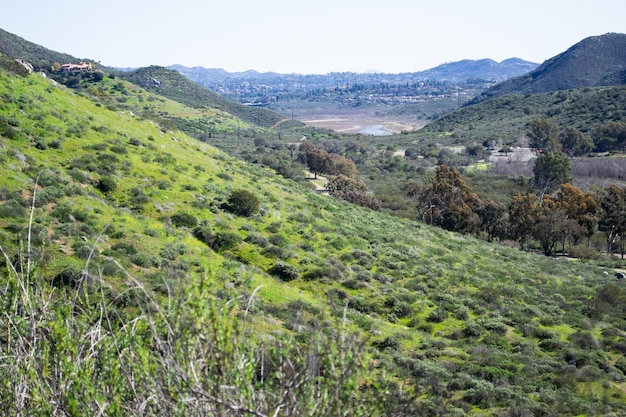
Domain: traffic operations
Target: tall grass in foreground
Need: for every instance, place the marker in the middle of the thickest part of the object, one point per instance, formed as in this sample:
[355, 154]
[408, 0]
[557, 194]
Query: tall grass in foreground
[69, 349]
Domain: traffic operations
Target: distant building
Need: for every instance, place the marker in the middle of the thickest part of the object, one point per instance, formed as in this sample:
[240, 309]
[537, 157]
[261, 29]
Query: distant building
[82, 66]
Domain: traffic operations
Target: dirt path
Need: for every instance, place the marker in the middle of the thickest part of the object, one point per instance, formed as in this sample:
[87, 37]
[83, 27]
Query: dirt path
[319, 182]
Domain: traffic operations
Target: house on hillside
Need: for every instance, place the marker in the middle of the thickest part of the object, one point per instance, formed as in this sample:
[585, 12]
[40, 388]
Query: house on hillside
[82, 66]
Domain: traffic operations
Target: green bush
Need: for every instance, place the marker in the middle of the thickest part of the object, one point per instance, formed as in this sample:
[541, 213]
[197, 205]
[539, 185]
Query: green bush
[242, 203]
[184, 219]
[223, 241]
[107, 184]
[285, 271]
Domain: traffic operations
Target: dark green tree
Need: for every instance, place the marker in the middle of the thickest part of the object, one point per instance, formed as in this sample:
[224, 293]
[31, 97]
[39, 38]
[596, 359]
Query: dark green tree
[544, 134]
[574, 142]
[448, 201]
[551, 170]
[613, 216]
[242, 203]
[492, 217]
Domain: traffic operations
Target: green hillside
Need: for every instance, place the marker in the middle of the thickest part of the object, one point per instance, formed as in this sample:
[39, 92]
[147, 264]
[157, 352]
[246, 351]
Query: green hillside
[175, 86]
[170, 85]
[135, 283]
[506, 119]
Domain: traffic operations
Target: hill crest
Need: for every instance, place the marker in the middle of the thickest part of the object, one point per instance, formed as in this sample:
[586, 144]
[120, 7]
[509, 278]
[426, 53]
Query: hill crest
[595, 61]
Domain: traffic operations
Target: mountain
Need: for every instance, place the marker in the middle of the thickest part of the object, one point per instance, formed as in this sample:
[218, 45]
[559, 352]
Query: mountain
[484, 69]
[594, 61]
[144, 272]
[283, 91]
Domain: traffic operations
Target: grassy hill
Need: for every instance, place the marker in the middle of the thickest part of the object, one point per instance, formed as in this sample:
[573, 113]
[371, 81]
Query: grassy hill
[131, 286]
[41, 58]
[173, 85]
[170, 85]
[506, 118]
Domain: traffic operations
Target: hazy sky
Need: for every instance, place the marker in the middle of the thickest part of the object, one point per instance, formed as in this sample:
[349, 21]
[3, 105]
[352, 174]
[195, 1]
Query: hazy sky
[314, 36]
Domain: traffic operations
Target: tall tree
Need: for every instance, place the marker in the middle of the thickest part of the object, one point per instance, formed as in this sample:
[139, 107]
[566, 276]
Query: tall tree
[523, 216]
[580, 207]
[613, 216]
[551, 170]
[574, 142]
[492, 220]
[450, 201]
[544, 135]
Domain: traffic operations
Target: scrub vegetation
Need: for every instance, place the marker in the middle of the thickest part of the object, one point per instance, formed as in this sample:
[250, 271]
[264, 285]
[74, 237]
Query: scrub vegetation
[146, 272]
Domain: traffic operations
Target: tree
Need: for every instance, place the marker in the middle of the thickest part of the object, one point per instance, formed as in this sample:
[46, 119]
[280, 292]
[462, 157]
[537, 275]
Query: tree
[580, 207]
[551, 170]
[613, 216]
[610, 136]
[491, 216]
[353, 191]
[574, 142]
[523, 216]
[242, 203]
[544, 135]
[321, 162]
[551, 224]
[448, 201]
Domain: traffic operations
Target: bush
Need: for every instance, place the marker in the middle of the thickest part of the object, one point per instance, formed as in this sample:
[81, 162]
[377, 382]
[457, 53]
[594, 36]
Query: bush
[242, 203]
[285, 271]
[224, 241]
[107, 184]
[184, 220]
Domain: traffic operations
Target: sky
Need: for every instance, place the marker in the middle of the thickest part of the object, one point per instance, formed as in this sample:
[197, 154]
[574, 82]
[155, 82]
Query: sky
[310, 36]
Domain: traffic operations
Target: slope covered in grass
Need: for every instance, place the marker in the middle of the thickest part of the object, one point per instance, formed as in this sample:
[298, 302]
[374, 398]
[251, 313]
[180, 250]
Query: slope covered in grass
[135, 289]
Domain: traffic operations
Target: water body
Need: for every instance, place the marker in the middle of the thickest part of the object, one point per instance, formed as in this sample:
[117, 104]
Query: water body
[375, 130]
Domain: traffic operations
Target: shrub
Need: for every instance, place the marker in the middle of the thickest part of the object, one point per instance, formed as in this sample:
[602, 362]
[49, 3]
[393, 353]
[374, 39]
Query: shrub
[257, 239]
[242, 203]
[184, 220]
[107, 184]
[285, 271]
[224, 241]
[438, 315]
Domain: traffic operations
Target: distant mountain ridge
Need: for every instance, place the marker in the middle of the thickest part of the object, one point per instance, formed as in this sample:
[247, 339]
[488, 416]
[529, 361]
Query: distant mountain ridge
[593, 62]
[461, 71]
[467, 69]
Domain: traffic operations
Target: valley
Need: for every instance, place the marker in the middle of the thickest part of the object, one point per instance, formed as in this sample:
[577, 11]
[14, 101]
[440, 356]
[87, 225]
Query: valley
[166, 250]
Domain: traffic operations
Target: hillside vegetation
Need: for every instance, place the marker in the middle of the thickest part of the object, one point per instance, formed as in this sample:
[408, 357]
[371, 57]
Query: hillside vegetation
[148, 273]
[506, 119]
[593, 62]
[173, 85]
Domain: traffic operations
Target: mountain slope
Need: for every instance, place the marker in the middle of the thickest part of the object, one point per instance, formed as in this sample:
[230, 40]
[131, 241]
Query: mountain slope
[173, 85]
[134, 261]
[40, 57]
[594, 61]
[506, 118]
[484, 69]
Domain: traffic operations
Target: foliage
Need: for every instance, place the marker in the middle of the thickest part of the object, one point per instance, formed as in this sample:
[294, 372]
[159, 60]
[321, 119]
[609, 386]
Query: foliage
[113, 310]
[544, 135]
[551, 170]
[243, 203]
[285, 271]
[184, 219]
